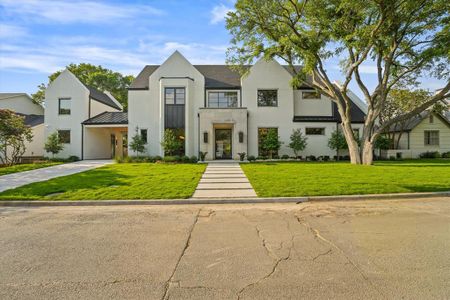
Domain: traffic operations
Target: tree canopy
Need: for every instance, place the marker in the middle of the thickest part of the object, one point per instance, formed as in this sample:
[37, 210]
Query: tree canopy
[403, 40]
[13, 135]
[96, 76]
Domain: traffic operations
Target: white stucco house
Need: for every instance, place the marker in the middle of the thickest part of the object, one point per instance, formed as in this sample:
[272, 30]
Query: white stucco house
[212, 108]
[33, 114]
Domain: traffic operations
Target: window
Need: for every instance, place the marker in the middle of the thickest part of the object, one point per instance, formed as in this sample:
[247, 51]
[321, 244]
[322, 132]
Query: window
[267, 98]
[431, 137]
[144, 135]
[222, 99]
[64, 106]
[64, 136]
[310, 95]
[174, 96]
[314, 131]
[262, 132]
[356, 132]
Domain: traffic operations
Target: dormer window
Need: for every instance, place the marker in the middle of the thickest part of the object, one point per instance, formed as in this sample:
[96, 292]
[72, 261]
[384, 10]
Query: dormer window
[64, 106]
[311, 95]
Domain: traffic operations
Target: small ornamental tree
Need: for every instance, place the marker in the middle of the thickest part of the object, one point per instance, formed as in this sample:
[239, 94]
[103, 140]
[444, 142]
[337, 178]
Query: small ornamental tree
[271, 142]
[382, 143]
[137, 143]
[53, 145]
[171, 143]
[13, 135]
[337, 142]
[298, 141]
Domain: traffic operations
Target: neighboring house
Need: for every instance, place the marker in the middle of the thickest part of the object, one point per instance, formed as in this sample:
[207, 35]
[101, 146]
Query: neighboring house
[215, 110]
[85, 119]
[33, 113]
[429, 131]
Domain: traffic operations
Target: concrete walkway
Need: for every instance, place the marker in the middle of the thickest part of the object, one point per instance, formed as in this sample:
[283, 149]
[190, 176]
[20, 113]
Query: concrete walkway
[224, 180]
[14, 180]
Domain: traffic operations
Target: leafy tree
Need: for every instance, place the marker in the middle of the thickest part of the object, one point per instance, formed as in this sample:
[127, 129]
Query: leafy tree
[171, 143]
[13, 135]
[53, 145]
[271, 142]
[298, 141]
[382, 143]
[96, 76]
[404, 40]
[337, 142]
[137, 142]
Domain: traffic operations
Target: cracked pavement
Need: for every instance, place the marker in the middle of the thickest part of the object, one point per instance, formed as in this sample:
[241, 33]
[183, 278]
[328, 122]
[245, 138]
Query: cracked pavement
[347, 250]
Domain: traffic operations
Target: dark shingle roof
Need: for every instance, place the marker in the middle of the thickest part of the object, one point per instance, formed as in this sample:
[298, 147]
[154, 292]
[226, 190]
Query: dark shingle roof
[216, 76]
[414, 121]
[101, 97]
[32, 120]
[356, 114]
[108, 118]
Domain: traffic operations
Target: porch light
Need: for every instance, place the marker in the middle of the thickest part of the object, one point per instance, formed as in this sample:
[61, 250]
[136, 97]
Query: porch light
[241, 137]
[205, 137]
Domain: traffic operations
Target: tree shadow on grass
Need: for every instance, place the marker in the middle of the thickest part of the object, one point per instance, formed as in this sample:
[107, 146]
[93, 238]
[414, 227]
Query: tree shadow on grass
[417, 188]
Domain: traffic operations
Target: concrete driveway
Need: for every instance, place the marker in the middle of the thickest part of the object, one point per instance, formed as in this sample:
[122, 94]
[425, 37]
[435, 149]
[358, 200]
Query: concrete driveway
[14, 180]
[344, 250]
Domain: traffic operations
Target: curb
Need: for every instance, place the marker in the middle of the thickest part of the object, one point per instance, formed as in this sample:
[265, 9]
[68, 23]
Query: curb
[37, 203]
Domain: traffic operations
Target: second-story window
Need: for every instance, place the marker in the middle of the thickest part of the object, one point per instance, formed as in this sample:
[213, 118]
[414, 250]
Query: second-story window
[222, 99]
[267, 98]
[174, 96]
[64, 106]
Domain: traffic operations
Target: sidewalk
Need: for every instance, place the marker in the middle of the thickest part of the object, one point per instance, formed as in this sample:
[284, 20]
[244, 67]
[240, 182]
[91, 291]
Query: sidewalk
[15, 180]
[224, 180]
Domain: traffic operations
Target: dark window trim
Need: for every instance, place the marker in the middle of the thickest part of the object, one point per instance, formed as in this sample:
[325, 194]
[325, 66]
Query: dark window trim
[70, 136]
[59, 106]
[427, 139]
[223, 91]
[322, 134]
[314, 92]
[174, 95]
[257, 102]
[142, 135]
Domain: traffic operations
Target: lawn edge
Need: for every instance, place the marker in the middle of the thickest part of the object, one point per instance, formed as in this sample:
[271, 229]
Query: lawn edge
[397, 196]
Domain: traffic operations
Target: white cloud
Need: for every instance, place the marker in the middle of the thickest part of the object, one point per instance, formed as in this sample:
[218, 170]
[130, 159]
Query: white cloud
[219, 12]
[78, 11]
[12, 31]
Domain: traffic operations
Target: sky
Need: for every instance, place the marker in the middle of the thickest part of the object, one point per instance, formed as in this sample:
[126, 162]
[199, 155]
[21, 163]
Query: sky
[39, 37]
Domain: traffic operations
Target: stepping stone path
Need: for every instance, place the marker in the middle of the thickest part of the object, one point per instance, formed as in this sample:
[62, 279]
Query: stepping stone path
[224, 180]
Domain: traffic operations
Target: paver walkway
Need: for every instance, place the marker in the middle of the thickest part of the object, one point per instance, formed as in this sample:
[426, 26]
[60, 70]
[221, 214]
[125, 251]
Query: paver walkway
[224, 180]
[14, 180]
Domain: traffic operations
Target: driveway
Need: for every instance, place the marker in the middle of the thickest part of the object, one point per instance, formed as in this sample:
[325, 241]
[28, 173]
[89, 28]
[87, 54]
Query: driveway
[14, 180]
[344, 250]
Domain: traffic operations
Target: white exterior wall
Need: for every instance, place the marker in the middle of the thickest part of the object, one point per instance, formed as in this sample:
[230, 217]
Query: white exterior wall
[417, 144]
[36, 146]
[312, 107]
[21, 104]
[98, 108]
[66, 85]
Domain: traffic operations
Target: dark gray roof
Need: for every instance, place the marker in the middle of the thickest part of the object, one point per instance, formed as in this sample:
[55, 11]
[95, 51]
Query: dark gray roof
[216, 76]
[101, 97]
[414, 121]
[32, 120]
[11, 95]
[108, 118]
[356, 114]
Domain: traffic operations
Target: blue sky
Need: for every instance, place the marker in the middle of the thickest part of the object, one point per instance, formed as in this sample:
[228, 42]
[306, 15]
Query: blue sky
[38, 37]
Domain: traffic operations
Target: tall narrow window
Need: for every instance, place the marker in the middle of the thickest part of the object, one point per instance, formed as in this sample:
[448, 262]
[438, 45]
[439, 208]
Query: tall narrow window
[144, 135]
[267, 98]
[431, 137]
[174, 113]
[64, 106]
[64, 136]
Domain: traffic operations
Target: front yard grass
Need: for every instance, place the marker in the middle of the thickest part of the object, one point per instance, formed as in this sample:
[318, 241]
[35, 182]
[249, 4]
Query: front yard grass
[26, 167]
[339, 178]
[117, 181]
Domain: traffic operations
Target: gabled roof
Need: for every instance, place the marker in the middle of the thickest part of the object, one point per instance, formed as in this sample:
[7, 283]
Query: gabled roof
[32, 120]
[417, 119]
[101, 97]
[216, 76]
[108, 118]
[12, 95]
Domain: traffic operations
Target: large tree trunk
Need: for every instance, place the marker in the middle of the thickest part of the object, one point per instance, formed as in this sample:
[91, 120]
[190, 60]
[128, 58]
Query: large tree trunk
[367, 153]
[353, 148]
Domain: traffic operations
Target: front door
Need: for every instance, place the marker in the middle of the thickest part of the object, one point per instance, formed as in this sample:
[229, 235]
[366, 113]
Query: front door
[223, 145]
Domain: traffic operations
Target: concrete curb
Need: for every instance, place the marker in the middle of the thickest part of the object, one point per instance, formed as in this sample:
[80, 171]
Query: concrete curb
[37, 203]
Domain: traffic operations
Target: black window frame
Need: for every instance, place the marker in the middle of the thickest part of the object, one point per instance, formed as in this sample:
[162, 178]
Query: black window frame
[315, 128]
[60, 136]
[228, 101]
[144, 137]
[59, 106]
[175, 93]
[258, 100]
[427, 138]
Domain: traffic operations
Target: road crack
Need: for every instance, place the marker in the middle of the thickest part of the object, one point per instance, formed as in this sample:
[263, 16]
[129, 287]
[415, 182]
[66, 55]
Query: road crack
[170, 281]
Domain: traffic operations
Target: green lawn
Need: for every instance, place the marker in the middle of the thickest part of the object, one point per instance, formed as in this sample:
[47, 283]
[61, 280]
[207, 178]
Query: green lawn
[323, 179]
[25, 167]
[117, 181]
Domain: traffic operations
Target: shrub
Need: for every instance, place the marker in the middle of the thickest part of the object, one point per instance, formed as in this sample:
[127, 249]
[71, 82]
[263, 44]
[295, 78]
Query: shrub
[251, 158]
[298, 141]
[202, 155]
[158, 158]
[193, 159]
[275, 156]
[311, 158]
[430, 154]
[73, 158]
[392, 157]
[177, 158]
[285, 156]
[326, 158]
[170, 159]
[185, 159]
[118, 159]
[241, 156]
[261, 158]
[446, 154]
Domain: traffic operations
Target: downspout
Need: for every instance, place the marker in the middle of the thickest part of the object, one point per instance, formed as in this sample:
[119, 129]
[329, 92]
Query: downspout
[198, 141]
[247, 133]
[89, 109]
[82, 141]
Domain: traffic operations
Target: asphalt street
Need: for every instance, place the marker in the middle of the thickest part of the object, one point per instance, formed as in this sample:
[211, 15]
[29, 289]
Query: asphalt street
[385, 249]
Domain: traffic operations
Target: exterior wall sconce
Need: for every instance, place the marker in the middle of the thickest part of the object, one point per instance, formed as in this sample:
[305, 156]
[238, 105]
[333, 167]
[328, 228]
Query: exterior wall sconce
[241, 137]
[205, 137]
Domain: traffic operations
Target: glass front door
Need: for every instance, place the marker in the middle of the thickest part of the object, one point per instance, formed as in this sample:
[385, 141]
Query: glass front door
[223, 143]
